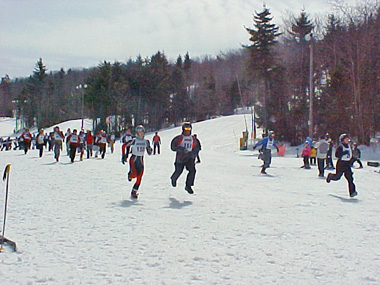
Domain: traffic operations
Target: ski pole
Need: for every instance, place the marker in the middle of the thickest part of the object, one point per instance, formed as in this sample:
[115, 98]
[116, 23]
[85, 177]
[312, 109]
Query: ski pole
[5, 176]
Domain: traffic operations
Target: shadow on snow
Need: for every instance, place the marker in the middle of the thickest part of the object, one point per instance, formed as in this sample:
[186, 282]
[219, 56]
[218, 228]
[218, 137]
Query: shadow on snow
[345, 200]
[175, 204]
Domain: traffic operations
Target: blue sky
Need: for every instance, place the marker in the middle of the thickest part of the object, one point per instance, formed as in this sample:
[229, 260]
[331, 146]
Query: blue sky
[83, 33]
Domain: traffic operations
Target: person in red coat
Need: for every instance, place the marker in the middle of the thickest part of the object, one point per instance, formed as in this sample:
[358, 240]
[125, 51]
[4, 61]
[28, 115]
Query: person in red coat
[156, 143]
[89, 143]
[306, 152]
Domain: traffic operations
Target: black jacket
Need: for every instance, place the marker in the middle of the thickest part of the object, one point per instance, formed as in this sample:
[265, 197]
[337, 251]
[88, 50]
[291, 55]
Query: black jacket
[183, 155]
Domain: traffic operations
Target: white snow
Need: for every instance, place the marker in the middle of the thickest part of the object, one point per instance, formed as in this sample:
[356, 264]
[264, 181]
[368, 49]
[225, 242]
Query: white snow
[75, 223]
[7, 125]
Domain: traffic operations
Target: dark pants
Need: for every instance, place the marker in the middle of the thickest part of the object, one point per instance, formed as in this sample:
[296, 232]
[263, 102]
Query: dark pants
[102, 148]
[190, 166]
[73, 150]
[321, 166]
[306, 163]
[40, 147]
[344, 167]
[156, 145]
[26, 146]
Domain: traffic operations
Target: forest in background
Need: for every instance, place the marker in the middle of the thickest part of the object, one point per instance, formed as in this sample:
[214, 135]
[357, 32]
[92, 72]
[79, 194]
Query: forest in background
[334, 61]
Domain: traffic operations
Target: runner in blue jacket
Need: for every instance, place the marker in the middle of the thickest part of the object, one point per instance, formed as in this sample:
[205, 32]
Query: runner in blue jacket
[267, 144]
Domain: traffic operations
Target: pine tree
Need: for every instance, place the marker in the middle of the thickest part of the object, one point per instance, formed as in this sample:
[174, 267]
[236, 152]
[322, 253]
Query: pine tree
[298, 72]
[262, 59]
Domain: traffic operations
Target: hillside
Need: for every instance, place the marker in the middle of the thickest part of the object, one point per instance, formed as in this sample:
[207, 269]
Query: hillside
[75, 223]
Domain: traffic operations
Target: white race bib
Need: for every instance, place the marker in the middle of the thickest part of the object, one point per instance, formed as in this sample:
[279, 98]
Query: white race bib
[187, 143]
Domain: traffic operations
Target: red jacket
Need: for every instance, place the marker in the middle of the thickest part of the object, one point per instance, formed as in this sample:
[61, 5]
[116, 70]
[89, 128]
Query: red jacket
[89, 139]
[156, 139]
[306, 151]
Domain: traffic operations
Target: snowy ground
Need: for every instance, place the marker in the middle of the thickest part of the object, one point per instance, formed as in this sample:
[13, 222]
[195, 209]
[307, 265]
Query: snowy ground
[75, 223]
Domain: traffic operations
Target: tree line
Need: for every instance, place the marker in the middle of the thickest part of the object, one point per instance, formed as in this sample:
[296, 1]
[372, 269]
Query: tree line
[307, 77]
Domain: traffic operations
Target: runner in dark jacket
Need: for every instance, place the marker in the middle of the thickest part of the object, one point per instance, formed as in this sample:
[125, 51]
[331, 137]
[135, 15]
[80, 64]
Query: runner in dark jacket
[343, 166]
[187, 148]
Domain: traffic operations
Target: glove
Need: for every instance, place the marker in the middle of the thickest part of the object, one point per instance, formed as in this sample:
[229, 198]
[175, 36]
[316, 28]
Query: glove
[278, 149]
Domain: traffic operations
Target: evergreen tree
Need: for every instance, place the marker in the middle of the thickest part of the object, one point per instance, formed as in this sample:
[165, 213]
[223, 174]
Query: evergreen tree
[298, 71]
[5, 97]
[262, 59]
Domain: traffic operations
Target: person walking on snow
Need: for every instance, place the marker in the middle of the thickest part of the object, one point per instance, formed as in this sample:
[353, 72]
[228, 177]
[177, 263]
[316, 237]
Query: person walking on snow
[40, 141]
[136, 163]
[156, 143]
[322, 147]
[329, 157]
[313, 155]
[268, 143]
[343, 165]
[101, 141]
[68, 132]
[58, 137]
[356, 154]
[187, 148]
[89, 143]
[111, 141]
[26, 138]
[306, 152]
[198, 160]
[82, 144]
[73, 140]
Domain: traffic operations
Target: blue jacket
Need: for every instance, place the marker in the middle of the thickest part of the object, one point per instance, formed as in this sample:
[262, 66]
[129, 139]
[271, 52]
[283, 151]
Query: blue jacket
[264, 143]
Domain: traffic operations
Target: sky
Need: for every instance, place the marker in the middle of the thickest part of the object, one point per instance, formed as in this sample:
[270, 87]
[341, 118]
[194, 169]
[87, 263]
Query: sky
[81, 34]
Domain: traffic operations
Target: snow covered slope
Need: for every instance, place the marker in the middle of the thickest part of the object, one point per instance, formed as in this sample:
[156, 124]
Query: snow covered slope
[75, 223]
[7, 126]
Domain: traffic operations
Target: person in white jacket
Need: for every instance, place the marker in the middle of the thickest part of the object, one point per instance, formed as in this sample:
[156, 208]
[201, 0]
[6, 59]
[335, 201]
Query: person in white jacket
[136, 163]
[322, 147]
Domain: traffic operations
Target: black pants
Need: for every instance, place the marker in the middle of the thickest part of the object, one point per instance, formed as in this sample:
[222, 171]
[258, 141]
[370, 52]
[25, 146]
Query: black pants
[344, 167]
[321, 166]
[156, 145]
[26, 147]
[73, 150]
[306, 163]
[102, 148]
[190, 166]
[41, 148]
